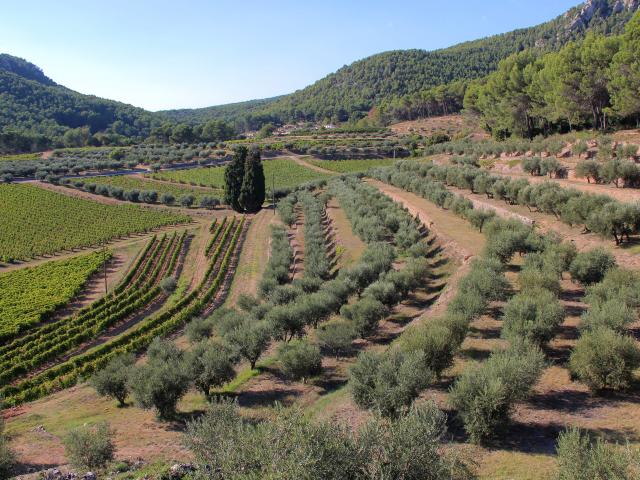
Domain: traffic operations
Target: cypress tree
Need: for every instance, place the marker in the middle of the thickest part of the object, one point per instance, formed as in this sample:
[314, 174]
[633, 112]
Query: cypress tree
[252, 192]
[233, 179]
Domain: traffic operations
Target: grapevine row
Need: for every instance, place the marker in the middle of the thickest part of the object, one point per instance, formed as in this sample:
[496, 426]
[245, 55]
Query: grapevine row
[69, 372]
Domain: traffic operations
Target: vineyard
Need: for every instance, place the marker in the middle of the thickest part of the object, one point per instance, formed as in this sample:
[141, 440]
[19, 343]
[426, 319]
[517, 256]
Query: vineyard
[352, 166]
[31, 295]
[286, 174]
[129, 307]
[53, 221]
[164, 190]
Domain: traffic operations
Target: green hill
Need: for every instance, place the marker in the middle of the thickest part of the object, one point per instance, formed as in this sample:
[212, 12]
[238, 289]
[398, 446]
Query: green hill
[353, 90]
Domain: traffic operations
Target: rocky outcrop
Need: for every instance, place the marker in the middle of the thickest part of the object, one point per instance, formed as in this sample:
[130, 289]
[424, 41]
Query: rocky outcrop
[599, 8]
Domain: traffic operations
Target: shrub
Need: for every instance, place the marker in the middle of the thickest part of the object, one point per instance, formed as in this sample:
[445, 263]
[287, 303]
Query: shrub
[435, 340]
[613, 314]
[7, 457]
[90, 446]
[209, 202]
[365, 315]
[167, 199]
[210, 364]
[250, 339]
[187, 200]
[579, 458]
[389, 382]
[590, 267]
[484, 395]
[336, 336]
[409, 448]
[532, 315]
[111, 381]
[604, 360]
[162, 381]
[300, 359]
[168, 285]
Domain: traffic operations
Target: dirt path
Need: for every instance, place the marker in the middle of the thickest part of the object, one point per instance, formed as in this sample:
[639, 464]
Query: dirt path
[254, 256]
[300, 160]
[349, 247]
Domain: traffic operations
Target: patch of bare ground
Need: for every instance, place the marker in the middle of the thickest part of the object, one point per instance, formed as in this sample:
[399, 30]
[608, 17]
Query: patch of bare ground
[349, 247]
[301, 160]
[37, 430]
[254, 256]
[452, 125]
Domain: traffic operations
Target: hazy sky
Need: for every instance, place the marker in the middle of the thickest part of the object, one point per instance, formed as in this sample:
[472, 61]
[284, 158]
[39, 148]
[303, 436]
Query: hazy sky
[160, 54]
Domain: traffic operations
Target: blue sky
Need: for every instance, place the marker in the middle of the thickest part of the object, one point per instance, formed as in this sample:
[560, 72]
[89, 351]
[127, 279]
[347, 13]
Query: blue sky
[168, 54]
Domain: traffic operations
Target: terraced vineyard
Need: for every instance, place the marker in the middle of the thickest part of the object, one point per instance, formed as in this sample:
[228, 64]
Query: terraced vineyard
[285, 172]
[31, 295]
[138, 291]
[38, 222]
[130, 300]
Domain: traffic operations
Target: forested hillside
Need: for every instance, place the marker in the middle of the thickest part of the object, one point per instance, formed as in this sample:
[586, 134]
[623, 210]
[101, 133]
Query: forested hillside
[35, 110]
[389, 77]
[36, 113]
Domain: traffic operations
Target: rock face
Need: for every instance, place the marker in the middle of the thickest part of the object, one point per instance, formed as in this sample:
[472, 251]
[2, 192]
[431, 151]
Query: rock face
[600, 8]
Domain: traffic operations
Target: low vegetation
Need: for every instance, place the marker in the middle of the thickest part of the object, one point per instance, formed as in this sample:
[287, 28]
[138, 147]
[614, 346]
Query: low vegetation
[54, 220]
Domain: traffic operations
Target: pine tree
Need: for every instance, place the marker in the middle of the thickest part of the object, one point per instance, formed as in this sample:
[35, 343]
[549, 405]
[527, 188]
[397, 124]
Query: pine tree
[252, 192]
[233, 179]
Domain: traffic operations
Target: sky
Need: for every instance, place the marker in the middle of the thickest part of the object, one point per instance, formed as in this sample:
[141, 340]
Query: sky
[194, 53]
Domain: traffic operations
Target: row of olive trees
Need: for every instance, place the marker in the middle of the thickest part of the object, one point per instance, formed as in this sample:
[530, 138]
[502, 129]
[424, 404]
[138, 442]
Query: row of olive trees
[374, 216]
[277, 270]
[138, 196]
[616, 171]
[606, 356]
[535, 316]
[599, 214]
[167, 375]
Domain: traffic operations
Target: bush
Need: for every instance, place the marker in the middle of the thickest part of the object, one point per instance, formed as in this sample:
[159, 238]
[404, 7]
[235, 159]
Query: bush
[90, 446]
[7, 457]
[162, 381]
[485, 395]
[579, 458]
[532, 315]
[435, 340]
[111, 381]
[209, 202]
[250, 339]
[187, 200]
[409, 448]
[167, 199]
[336, 336]
[365, 315]
[613, 314]
[389, 382]
[604, 360]
[210, 364]
[168, 285]
[300, 359]
[591, 267]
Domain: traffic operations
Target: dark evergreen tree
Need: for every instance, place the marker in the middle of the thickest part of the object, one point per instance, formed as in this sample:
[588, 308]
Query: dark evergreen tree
[252, 193]
[233, 177]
